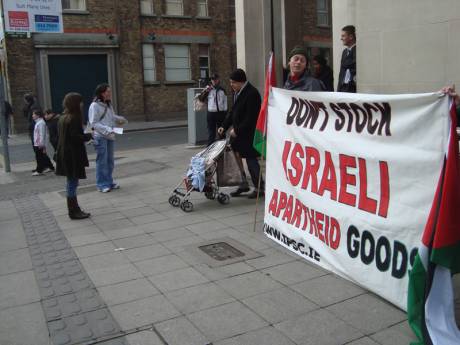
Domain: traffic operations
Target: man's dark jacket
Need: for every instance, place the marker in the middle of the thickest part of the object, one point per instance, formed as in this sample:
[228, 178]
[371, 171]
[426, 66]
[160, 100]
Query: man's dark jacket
[243, 118]
[348, 62]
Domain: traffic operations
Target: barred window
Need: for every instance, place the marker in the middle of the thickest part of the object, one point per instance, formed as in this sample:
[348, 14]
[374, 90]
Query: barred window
[204, 61]
[148, 57]
[79, 5]
[175, 7]
[177, 62]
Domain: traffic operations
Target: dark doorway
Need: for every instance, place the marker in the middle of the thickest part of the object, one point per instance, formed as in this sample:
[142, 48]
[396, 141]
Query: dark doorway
[76, 73]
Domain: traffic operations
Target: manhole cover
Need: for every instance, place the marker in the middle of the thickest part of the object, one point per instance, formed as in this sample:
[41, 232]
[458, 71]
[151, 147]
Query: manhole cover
[221, 251]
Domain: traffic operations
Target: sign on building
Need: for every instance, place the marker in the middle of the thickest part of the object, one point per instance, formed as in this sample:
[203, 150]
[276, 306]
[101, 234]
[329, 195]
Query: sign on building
[33, 16]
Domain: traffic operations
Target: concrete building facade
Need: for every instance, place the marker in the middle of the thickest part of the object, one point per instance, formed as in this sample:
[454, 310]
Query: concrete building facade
[149, 51]
[406, 46]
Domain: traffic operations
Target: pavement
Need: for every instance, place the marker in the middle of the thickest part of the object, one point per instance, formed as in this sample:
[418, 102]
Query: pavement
[133, 273]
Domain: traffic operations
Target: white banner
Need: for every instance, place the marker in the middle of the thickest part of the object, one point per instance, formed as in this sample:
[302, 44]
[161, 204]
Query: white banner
[351, 179]
[33, 16]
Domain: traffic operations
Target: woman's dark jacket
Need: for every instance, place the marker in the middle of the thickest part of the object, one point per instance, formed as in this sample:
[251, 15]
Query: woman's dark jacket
[71, 158]
[243, 118]
[327, 77]
[52, 125]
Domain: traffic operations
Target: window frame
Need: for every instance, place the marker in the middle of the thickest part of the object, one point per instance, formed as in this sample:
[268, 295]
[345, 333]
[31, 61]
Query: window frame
[180, 2]
[208, 68]
[188, 68]
[199, 3]
[154, 68]
[75, 10]
[152, 6]
[323, 12]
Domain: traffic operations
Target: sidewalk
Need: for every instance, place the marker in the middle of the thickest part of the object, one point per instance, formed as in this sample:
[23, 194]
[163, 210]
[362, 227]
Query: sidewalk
[131, 273]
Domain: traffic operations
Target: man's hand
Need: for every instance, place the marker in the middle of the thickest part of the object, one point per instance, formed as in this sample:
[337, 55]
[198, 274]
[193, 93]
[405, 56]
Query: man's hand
[220, 130]
[450, 90]
[232, 133]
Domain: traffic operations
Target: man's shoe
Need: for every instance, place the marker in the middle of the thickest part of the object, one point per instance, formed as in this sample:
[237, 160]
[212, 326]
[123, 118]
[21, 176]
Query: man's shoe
[253, 194]
[105, 190]
[36, 173]
[47, 170]
[239, 191]
[115, 186]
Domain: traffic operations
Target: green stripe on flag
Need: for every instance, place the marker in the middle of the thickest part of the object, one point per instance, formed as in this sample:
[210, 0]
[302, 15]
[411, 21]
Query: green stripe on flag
[448, 257]
[416, 299]
[260, 143]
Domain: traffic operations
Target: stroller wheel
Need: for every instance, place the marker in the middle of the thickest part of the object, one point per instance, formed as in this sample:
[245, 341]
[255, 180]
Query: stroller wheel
[174, 200]
[186, 206]
[223, 199]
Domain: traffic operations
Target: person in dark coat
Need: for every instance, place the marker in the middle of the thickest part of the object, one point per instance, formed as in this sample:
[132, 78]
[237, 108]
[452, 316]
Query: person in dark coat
[30, 105]
[243, 118]
[7, 114]
[323, 72]
[71, 158]
[299, 77]
[347, 76]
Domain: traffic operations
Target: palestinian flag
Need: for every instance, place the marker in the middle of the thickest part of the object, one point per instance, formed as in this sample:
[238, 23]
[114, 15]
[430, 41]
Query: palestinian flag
[260, 135]
[430, 305]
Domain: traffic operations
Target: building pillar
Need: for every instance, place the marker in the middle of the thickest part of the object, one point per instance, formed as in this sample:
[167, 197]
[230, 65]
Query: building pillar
[253, 22]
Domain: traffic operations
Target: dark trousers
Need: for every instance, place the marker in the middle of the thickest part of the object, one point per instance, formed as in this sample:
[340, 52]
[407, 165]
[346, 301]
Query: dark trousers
[215, 120]
[254, 171]
[43, 161]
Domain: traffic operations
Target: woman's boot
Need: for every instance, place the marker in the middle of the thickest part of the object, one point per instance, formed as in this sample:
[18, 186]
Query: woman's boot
[74, 210]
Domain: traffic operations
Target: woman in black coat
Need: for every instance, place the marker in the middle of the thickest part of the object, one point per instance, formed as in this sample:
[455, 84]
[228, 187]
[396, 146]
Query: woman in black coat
[71, 158]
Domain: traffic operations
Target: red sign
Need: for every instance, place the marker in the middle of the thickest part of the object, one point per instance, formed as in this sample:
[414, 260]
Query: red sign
[18, 20]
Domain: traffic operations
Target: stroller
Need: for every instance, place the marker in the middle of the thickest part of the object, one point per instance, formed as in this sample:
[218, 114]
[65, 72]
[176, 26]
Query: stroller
[210, 158]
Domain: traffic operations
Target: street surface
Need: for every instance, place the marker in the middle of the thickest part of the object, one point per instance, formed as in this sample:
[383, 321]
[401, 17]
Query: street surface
[131, 275]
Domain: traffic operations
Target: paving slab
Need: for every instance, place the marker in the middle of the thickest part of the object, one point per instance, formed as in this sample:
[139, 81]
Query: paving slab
[146, 252]
[134, 241]
[143, 312]
[272, 257]
[400, 334]
[220, 322]
[18, 289]
[199, 297]
[328, 289]
[94, 249]
[179, 279]
[161, 264]
[293, 272]
[248, 284]
[364, 341]
[15, 261]
[180, 331]
[23, 325]
[318, 327]
[279, 305]
[144, 338]
[127, 291]
[263, 336]
[368, 313]
[114, 274]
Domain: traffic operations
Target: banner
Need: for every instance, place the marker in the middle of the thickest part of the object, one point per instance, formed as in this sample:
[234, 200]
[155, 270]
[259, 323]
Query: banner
[351, 179]
[33, 16]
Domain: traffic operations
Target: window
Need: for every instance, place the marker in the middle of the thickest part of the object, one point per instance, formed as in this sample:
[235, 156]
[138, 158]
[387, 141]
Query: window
[202, 10]
[177, 62]
[174, 7]
[148, 56]
[204, 61]
[79, 5]
[147, 7]
[322, 13]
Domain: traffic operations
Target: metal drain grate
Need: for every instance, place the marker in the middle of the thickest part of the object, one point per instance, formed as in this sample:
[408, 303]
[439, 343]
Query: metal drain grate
[221, 251]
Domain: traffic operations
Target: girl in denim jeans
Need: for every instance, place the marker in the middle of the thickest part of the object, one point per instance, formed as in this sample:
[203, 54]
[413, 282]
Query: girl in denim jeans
[102, 120]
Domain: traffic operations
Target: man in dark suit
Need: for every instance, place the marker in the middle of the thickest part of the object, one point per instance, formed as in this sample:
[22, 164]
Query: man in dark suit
[347, 76]
[243, 118]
